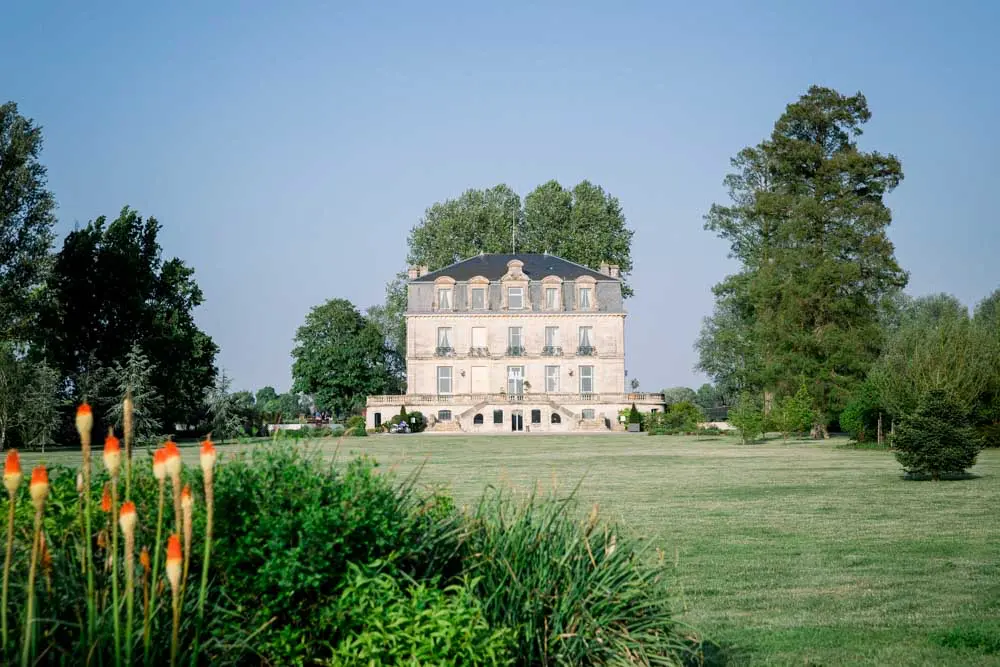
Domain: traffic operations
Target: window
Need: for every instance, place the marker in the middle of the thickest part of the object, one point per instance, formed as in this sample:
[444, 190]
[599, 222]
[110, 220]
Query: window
[551, 379]
[498, 416]
[515, 298]
[551, 298]
[478, 419]
[588, 413]
[551, 336]
[584, 298]
[556, 419]
[515, 380]
[536, 416]
[444, 298]
[515, 341]
[586, 379]
[378, 419]
[444, 379]
[478, 298]
[444, 341]
[586, 347]
[478, 340]
[444, 415]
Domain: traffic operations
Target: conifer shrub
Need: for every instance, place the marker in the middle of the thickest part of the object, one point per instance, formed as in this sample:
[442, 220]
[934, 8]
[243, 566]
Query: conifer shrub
[936, 439]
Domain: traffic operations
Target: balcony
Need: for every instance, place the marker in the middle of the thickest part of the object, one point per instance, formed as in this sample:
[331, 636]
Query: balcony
[551, 351]
[641, 399]
[586, 351]
[444, 351]
[479, 351]
[515, 351]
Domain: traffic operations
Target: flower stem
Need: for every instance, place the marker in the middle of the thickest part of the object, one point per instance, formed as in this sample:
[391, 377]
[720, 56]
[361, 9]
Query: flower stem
[129, 594]
[209, 515]
[6, 566]
[87, 549]
[116, 606]
[29, 621]
[177, 621]
[151, 607]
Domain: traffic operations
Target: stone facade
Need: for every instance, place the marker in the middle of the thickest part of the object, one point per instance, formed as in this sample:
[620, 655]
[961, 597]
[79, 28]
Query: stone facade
[514, 343]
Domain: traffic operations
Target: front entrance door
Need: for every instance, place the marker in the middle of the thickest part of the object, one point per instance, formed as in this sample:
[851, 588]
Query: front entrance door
[516, 420]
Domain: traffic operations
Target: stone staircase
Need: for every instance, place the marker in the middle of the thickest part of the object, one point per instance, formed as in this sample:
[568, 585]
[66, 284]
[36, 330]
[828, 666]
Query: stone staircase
[446, 427]
[591, 425]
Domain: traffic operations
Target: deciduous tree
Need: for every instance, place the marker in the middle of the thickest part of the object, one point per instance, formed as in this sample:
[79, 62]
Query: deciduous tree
[27, 215]
[110, 288]
[937, 347]
[341, 357]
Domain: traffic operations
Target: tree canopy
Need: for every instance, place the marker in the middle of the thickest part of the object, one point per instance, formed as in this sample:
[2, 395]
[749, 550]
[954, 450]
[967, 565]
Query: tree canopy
[341, 357]
[109, 289]
[27, 215]
[807, 222]
[584, 224]
[936, 347]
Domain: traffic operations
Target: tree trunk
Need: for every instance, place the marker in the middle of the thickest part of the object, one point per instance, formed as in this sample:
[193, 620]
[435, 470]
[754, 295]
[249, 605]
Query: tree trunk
[816, 432]
[879, 436]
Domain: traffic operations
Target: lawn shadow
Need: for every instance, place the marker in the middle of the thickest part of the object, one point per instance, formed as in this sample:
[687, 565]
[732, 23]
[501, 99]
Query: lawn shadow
[944, 477]
[708, 653]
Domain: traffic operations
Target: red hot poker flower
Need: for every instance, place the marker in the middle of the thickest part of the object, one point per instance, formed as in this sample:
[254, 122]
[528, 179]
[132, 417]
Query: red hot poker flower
[12, 471]
[160, 463]
[112, 453]
[106, 499]
[39, 486]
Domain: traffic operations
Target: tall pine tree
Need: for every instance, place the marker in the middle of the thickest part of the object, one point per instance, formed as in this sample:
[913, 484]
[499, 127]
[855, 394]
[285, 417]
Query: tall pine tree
[808, 223]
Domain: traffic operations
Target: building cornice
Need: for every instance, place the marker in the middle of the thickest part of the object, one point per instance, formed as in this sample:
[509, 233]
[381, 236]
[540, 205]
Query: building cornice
[507, 315]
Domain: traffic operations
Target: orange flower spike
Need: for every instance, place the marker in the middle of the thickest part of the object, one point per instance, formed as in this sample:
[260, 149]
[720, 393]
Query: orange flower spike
[186, 497]
[12, 474]
[39, 486]
[144, 559]
[106, 499]
[208, 455]
[160, 464]
[84, 422]
[173, 459]
[174, 561]
[127, 518]
[112, 453]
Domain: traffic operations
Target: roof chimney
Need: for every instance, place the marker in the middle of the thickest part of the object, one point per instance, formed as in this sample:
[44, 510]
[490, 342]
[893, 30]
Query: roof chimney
[413, 272]
[613, 271]
[605, 269]
[422, 270]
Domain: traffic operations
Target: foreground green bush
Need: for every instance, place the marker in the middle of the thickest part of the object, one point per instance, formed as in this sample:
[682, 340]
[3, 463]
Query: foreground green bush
[394, 620]
[937, 438]
[289, 525]
[573, 593]
[314, 563]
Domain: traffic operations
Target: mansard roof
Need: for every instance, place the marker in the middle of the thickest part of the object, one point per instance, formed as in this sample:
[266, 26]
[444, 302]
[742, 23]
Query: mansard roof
[494, 267]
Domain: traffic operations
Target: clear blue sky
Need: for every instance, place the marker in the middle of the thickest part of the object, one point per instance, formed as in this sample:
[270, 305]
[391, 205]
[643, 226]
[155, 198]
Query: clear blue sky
[288, 147]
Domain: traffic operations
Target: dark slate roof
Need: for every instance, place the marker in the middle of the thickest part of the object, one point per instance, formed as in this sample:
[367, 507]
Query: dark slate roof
[494, 267]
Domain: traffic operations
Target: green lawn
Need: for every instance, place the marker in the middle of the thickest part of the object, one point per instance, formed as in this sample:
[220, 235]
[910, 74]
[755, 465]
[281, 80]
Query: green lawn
[802, 553]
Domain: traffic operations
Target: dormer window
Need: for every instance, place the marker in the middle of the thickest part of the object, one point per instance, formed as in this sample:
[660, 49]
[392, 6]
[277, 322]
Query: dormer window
[444, 298]
[551, 298]
[478, 298]
[585, 298]
[515, 298]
